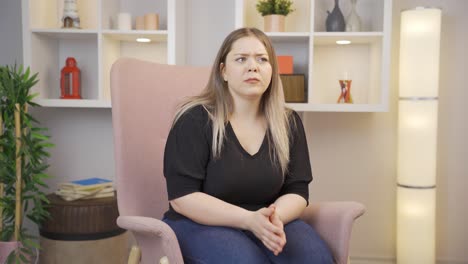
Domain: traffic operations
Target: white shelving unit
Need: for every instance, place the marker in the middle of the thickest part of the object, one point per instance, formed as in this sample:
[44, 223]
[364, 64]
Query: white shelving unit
[98, 45]
[366, 60]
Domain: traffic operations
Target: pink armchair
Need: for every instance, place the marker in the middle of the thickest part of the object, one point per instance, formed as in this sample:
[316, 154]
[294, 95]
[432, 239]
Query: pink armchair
[144, 99]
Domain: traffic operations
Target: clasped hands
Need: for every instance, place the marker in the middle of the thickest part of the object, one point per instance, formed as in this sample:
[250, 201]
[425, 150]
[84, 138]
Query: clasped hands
[267, 226]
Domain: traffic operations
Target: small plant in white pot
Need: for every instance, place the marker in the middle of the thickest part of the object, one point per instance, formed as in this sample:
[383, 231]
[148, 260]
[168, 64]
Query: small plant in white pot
[274, 13]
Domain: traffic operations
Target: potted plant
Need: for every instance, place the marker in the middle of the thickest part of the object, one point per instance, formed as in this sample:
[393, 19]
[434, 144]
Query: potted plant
[274, 13]
[22, 165]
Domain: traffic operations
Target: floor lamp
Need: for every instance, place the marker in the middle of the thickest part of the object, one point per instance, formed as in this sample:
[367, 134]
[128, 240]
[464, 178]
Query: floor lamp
[417, 135]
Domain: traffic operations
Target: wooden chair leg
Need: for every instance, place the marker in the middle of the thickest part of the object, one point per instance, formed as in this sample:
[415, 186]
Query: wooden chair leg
[135, 255]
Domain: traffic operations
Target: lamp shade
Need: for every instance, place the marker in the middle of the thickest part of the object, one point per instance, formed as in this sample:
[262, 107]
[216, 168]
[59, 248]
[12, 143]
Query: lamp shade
[419, 52]
[417, 142]
[416, 226]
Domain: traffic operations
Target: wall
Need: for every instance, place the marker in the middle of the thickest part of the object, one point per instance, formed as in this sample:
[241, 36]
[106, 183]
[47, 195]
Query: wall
[204, 36]
[10, 32]
[353, 154]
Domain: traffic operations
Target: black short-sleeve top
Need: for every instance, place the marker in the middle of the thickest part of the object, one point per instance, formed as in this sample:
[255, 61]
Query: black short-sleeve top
[236, 177]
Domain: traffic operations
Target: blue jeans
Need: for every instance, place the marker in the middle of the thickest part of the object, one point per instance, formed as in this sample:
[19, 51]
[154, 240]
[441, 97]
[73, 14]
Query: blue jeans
[201, 244]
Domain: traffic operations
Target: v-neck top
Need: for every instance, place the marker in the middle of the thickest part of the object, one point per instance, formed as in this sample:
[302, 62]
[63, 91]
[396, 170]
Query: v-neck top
[237, 142]
[236, 176]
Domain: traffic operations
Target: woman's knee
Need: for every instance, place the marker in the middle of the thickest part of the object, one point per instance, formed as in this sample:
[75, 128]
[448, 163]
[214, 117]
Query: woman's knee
[305, 244]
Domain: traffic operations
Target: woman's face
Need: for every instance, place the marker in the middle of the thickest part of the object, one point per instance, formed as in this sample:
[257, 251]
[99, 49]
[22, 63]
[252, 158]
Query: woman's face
[247, 69]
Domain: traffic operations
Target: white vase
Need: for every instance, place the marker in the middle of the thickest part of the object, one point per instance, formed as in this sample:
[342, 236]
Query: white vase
[353, 21]
[274, 23]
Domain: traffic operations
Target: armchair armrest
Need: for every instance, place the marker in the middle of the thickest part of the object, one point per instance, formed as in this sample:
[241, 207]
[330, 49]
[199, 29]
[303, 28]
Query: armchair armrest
[333, 221]
[154, 237]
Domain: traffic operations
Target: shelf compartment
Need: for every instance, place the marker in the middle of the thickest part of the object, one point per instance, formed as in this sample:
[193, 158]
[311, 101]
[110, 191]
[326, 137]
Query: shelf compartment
[371, 13]
[299, 49]
[114, 46]
[48, 54]
[47, 14]
[296, 47]
[111, 8]
[296, 21]
[362, 63]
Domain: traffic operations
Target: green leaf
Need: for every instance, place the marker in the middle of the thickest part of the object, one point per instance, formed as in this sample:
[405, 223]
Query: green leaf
[32, 96]
[47, 145]
[39, 136]
[23, 258]
[11, 258]
[26, 74]
[30, 243]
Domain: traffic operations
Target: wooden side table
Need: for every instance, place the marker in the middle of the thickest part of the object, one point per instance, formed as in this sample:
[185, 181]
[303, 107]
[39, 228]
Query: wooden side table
[83, 231]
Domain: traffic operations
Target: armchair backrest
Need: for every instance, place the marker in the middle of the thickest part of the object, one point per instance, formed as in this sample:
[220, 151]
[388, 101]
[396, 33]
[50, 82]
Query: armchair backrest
[144, 100]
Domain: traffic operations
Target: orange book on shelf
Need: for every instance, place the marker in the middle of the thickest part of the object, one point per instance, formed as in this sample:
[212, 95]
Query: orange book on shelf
[285, 64]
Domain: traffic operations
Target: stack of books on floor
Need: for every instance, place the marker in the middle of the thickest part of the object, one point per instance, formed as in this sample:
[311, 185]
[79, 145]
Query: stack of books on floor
[91, 188]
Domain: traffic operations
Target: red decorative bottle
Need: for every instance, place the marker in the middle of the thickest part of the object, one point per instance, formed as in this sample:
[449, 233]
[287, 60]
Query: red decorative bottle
[70, 80]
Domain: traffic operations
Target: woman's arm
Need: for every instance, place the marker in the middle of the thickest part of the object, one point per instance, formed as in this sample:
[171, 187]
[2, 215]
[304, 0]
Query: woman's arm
[295, 191]
[208, 210]
[290, 207]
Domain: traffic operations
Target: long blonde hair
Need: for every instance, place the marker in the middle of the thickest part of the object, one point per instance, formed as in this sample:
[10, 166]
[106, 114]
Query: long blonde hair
[218, 102]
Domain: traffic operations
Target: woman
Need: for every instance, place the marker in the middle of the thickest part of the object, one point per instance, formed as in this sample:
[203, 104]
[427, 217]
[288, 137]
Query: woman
[237, 165]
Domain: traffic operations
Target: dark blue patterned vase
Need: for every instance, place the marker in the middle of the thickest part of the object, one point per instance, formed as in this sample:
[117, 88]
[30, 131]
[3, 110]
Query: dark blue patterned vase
[335, 20]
